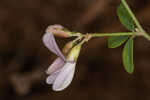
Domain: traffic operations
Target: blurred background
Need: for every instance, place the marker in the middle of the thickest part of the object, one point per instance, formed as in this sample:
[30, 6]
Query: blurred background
[99, 72]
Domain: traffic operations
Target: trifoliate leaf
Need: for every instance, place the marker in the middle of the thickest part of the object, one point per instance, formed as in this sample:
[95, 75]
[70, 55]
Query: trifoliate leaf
[114, 42]
[128, 56]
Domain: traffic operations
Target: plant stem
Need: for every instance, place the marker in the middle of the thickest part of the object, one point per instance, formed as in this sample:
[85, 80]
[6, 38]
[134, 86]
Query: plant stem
[111, 34]
[146, 36]
[135, 20]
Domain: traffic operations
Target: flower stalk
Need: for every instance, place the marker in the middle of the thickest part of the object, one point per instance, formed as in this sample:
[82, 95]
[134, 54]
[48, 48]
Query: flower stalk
[111, 34]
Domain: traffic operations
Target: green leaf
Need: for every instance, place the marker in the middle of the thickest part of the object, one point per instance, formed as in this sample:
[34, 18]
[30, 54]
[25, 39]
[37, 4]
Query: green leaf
[128, 56]
[114, 42]
[125, 17]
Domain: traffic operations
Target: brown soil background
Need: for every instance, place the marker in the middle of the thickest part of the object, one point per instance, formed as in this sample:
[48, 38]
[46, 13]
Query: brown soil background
[99, 72]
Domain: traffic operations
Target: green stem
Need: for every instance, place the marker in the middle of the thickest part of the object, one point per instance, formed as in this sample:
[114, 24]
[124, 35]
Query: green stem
[111, 34]
[135, 20]
[146, 36]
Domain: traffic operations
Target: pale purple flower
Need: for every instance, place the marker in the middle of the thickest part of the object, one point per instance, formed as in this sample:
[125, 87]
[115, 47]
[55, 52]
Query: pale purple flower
[61, 71]
[62, 77]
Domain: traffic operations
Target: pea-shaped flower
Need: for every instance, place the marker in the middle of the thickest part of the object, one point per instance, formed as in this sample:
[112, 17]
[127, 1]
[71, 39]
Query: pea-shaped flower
[61, 71]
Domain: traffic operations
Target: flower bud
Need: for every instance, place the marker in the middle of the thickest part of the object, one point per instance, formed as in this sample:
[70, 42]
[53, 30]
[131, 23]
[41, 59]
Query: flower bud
[58, 30]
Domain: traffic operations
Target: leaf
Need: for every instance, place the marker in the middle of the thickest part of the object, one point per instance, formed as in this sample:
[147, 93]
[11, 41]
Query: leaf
[125, 17]
[114, 42]
[128, 56]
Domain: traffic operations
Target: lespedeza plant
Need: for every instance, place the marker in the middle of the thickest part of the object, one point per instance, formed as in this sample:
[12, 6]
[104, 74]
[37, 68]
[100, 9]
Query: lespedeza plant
[61, 71]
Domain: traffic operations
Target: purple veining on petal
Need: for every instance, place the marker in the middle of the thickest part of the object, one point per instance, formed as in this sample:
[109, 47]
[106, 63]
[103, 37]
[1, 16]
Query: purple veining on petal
[50, 43]
[56, 65]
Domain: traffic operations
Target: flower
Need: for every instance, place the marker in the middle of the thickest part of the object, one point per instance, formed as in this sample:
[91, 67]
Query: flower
[62, 77]
[61, 71]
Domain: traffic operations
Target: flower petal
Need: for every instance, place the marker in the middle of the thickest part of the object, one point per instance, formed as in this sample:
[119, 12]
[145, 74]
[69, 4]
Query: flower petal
[65, 77]
[56, 65]
[50, 43]
[51, 78]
